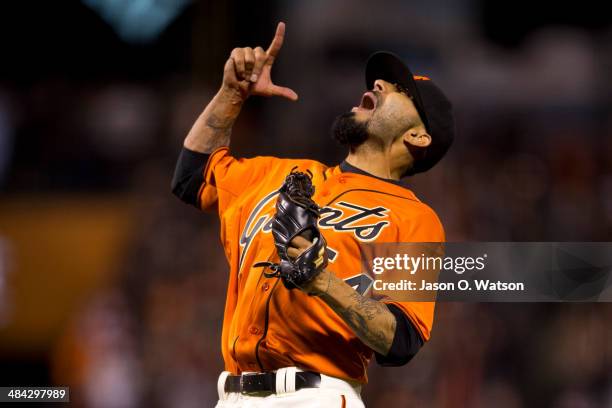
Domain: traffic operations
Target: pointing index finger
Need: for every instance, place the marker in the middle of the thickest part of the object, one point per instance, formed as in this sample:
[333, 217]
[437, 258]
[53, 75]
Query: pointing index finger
[277, 41]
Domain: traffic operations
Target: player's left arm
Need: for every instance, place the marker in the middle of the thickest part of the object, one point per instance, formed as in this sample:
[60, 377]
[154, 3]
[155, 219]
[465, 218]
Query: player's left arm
[383, 327]
[371, 320]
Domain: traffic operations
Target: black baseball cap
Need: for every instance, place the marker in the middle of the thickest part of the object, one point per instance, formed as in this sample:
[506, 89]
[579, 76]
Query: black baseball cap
[433, 106]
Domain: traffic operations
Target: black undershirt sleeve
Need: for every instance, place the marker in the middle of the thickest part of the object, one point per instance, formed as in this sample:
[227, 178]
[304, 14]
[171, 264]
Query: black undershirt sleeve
[188, 175]
[406, 341]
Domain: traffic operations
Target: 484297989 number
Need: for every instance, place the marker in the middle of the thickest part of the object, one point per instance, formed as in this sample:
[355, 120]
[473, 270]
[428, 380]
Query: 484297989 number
[46, 394]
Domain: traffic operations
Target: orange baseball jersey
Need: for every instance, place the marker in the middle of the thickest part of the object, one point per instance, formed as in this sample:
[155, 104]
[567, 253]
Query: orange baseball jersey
[267, 326]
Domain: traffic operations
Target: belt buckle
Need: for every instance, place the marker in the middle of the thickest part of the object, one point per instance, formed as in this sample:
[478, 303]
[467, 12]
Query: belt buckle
[247, 379]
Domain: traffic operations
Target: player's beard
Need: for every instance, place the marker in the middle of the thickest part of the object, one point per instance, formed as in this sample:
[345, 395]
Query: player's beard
[349, 132]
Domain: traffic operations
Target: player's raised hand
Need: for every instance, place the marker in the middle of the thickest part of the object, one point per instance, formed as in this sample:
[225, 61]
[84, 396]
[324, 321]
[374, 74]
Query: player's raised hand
[248, 70]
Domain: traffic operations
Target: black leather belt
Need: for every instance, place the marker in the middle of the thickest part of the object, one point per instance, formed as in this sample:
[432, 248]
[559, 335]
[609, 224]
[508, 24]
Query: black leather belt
[266, 382]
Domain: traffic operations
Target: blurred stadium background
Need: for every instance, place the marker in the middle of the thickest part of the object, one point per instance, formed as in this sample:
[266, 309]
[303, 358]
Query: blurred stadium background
[110, 285]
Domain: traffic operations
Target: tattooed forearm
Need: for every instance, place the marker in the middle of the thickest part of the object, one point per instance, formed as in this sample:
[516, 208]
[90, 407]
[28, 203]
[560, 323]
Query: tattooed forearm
[219, 130]
[371, 320]
[369, 308]
[214, 126]
[368, 319]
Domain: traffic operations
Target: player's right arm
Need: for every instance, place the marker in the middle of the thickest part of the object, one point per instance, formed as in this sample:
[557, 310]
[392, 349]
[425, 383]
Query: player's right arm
[246, 72]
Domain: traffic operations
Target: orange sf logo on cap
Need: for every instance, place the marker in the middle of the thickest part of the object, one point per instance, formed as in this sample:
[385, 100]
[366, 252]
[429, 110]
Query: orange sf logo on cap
[421, 78]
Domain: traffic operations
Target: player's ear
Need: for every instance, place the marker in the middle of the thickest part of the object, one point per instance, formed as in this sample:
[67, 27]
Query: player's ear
[417, 137]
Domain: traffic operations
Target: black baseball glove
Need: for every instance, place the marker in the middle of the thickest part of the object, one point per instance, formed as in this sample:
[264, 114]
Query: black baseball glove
[297, 214]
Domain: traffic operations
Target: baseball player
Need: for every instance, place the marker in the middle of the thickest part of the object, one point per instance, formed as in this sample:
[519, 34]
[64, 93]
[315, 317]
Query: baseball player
[299, 329]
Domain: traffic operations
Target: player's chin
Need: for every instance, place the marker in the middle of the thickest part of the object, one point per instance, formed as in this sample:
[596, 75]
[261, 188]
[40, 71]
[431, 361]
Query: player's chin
[350, 130]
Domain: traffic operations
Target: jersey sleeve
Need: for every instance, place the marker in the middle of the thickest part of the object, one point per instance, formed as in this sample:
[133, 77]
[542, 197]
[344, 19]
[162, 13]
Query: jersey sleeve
[424, 226]
[226, 177]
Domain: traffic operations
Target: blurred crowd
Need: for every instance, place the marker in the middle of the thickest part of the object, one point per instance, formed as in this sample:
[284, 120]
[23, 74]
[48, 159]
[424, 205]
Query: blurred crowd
[531, 163]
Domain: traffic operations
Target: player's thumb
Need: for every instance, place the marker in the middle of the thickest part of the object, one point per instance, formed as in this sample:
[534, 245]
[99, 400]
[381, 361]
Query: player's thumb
[284, 92]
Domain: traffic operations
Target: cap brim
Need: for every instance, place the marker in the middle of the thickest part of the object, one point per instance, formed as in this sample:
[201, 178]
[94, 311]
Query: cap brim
[389, 67]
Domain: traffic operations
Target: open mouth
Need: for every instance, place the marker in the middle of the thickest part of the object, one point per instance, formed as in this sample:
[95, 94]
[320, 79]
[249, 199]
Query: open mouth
[368, 102]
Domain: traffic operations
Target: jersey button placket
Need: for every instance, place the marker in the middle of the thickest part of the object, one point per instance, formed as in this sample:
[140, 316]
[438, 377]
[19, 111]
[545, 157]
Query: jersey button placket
[265, 286]
[253, 330]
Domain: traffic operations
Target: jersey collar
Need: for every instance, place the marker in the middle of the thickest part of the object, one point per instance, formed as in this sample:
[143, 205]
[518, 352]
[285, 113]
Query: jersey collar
[345, 167]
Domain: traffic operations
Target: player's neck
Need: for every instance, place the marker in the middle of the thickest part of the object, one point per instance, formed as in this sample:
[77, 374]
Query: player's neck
[376, 163]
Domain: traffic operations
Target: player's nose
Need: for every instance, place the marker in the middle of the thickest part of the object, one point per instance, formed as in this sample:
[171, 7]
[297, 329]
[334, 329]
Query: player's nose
[379, 85]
